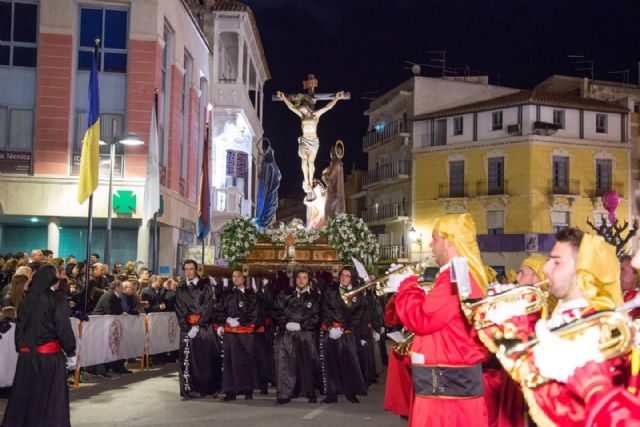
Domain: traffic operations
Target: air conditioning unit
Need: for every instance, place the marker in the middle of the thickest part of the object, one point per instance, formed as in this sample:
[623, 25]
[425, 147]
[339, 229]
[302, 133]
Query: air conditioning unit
[544, 128]
[514, 129]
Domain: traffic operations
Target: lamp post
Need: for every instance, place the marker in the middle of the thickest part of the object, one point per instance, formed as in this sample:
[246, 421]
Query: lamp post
[129, 139]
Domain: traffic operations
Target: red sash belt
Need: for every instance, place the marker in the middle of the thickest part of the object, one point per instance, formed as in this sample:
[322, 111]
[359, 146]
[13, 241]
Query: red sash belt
[268, 321]
[369, 325]
[192, 319]
[239, 329]
[335, 325]
[46, 348]
[260, 330]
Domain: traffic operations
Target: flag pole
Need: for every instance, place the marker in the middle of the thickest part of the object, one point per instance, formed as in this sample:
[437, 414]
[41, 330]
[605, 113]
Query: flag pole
[87, 275]
[154, 242]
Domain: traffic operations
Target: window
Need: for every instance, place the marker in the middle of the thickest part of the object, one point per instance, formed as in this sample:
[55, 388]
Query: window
[496, 120]
[111, 25]
[18, 33]
[458, 125]
[495, 222]
[558, 118]
[111, 127]
[163, 135]
[184, 143]
[559, 220]
[16, 129]
[601, 123]
[496, 175]
[440, 135]
[560, 175]
[603, 176]
[237, 170]
[456, 179]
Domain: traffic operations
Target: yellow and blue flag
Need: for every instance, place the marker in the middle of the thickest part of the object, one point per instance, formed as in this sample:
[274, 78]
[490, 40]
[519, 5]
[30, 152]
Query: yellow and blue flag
[90, 157]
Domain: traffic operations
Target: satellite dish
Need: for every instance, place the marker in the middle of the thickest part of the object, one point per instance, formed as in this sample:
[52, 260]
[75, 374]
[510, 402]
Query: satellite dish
[415, 69]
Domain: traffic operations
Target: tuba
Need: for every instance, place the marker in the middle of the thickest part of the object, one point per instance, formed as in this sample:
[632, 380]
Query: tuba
[380, 284]
[617, 334]
[403, 348]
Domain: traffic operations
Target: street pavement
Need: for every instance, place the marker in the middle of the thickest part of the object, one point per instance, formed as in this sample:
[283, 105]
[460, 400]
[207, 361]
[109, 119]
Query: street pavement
[151, 398]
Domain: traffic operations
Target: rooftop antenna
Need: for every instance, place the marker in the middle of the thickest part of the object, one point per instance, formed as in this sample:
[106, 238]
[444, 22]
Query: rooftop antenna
[441, 60]
[584, 65]
[623, 73]
[415, 68]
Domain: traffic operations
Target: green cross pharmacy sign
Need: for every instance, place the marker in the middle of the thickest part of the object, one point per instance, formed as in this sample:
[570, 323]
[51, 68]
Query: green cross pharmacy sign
[124, 202]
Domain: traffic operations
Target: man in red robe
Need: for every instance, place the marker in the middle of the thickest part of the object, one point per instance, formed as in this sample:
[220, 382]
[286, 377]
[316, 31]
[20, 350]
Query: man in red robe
[446, 354]
[629, 283]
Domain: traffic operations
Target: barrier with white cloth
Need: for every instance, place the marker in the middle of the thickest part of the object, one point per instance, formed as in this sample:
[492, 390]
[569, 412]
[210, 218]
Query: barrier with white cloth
[104, 339]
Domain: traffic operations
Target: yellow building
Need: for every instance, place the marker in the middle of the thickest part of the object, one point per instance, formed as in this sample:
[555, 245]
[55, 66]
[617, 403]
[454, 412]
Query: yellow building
[524, 165]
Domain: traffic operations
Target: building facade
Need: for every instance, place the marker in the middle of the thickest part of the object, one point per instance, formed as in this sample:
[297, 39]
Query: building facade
[387, 184]
[149, 47]
[524, 165]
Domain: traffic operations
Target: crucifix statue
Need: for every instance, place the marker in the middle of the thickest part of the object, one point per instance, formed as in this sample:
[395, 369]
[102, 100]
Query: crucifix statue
[303, 105]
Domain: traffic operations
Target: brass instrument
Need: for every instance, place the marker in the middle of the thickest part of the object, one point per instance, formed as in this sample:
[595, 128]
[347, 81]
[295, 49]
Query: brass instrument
[617, 334]
[403, 348]
[379, 285]
[535, 298]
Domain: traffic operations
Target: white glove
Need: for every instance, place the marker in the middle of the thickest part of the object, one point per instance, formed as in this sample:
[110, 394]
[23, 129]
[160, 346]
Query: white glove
[506, 311]
[193, 332]
[376, 336]
[394, 282]
[72, 363]
[363, 343]
[265, 282]
[335, 333]
[393, 267]
[233, 322]
[213, 281]
[382, 330]
[293, 326]
[557, 358]
[225, 282]
[220, 331]
[253, 285]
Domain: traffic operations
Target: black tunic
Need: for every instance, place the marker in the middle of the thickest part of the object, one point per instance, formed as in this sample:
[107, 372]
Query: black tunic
[200, 364]
[264, 338]
[340, 366]
[297, 360]
[239, 346]
[40, 394]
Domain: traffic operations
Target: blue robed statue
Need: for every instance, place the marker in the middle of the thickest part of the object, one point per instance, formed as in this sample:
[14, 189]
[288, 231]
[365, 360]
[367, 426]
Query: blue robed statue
[268, 184]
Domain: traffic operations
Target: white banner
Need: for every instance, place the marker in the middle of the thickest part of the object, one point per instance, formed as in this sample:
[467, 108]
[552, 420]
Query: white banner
[164, 332]
[109, 338]
[8, 357]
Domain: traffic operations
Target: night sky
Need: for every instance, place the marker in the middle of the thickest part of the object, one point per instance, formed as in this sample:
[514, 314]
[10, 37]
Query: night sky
[361, 46]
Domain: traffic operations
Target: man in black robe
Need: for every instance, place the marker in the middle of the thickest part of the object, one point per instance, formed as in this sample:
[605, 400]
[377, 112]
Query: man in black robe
[200, 367]
[341, 368]
[237, 311]
[45, 342]
[297, 316]
[264, 335]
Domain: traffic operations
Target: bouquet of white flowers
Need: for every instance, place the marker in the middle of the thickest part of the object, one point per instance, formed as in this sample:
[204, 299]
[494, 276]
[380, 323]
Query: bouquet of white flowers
[237, 239]
[350, 237]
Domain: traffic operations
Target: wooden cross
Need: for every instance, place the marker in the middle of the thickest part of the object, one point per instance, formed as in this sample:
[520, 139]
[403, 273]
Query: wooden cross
[310, 85]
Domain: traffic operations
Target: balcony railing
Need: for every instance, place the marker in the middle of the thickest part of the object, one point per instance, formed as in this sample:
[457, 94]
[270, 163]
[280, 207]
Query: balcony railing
[486, 188]
[448, 191]
[564, 188]
[393, 252]
[388, 171]
[390, 130]
[618, 187]
[384, 212]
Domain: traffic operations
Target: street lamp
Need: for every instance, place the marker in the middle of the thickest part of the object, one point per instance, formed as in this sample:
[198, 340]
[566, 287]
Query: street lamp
[416, 237]
[132, 140]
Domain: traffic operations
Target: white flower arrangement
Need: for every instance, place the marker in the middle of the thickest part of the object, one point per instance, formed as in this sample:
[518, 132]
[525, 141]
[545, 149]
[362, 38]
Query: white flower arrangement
[350, 237]
[237, 239]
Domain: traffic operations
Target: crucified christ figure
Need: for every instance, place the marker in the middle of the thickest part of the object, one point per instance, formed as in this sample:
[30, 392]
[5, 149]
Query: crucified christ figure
[308, 143]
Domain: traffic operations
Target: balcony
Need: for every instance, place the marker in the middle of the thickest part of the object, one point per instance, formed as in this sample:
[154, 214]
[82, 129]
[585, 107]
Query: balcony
[394, 253]
[390, 131]
[485, 188]
[569, 188]
[448, 191]
[387, 174]
[596, 192]
[384, 213]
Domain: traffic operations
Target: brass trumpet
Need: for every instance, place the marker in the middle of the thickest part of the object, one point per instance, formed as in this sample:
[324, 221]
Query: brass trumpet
[403, 348]
[617, 333]
[535, 299]
[380, 284]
